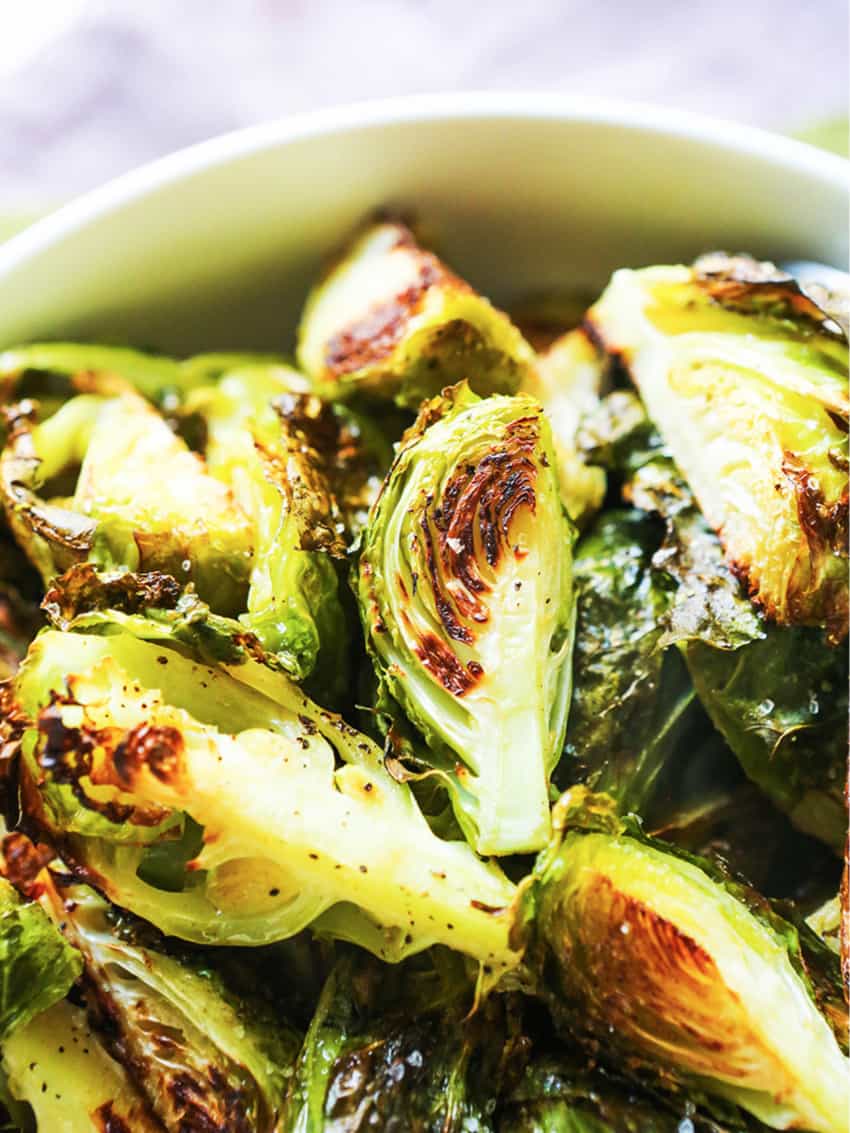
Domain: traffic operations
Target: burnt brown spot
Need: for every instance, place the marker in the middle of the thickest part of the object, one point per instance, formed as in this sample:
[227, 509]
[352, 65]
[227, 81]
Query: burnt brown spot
[371, 339]
[645, 987]
[824, 524]
[741, 283]
[439, 660]
[82, 589]
[474, 516]
[68, 756]
[23, 861]
[108, 1121]
[157, 747]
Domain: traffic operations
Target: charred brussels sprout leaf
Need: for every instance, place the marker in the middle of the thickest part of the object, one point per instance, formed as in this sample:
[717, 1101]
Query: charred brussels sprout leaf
[465, 591]
[633, 703]
[128, 742]
[781, 703]
[665, 967]
[138, 498]
[398, 1052]
[567, 381]
[746, 378]
[205, 1058]
[37, 967]
[391, 321]
[567, 1092]
[60, 1068]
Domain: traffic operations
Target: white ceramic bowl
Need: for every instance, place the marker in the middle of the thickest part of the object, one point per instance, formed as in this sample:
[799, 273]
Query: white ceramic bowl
[216, 245]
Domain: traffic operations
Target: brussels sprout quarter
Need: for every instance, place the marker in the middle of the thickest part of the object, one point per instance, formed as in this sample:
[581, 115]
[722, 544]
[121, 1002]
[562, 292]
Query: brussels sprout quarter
[670, 969]
[392, 321]
[205, 1058]
[746, 378]
[153, 765]
[466, 596]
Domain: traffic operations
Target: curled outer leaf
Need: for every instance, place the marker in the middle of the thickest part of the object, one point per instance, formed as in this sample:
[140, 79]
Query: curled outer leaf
[746, 379]
[667, 968]
[465, 592]
[180, 746]
[391, 321]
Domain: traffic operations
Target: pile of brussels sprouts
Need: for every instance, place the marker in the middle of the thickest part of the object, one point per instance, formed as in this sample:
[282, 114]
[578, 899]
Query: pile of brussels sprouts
[438, 733]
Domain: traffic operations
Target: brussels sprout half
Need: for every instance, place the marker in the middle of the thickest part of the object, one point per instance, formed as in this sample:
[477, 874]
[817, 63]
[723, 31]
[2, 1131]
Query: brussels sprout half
[391, 321]
[152, 747]
[465, 591]
[140, 500]
[205, 1059]
[662, 964]
[746, 378]
[61, 1075]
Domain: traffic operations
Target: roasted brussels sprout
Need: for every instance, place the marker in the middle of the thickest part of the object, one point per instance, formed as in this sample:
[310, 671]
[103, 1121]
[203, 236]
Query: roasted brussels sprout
[62, 1079]
[778, 694]
[391, 321]
[264, 440]
[399, 1051]
[146, 764]
[141, 499]
[662, 965]
[567, 381]
[205, 1058]
[746, 378]
[465, 591]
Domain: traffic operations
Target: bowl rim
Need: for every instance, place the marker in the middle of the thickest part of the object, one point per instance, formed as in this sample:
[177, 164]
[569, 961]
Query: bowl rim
[534, 106]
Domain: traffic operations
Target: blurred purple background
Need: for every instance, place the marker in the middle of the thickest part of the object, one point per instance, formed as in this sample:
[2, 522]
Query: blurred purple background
[90, 89]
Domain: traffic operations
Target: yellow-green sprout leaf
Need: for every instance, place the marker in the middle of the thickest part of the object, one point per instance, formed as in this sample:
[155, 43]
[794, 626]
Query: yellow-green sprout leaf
[465, 591]
[61, 1068]
[391, 321]
[746, 378]
[674, 971]
[287, 834]
[141, 498]
[567, 381]
[37, 967]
